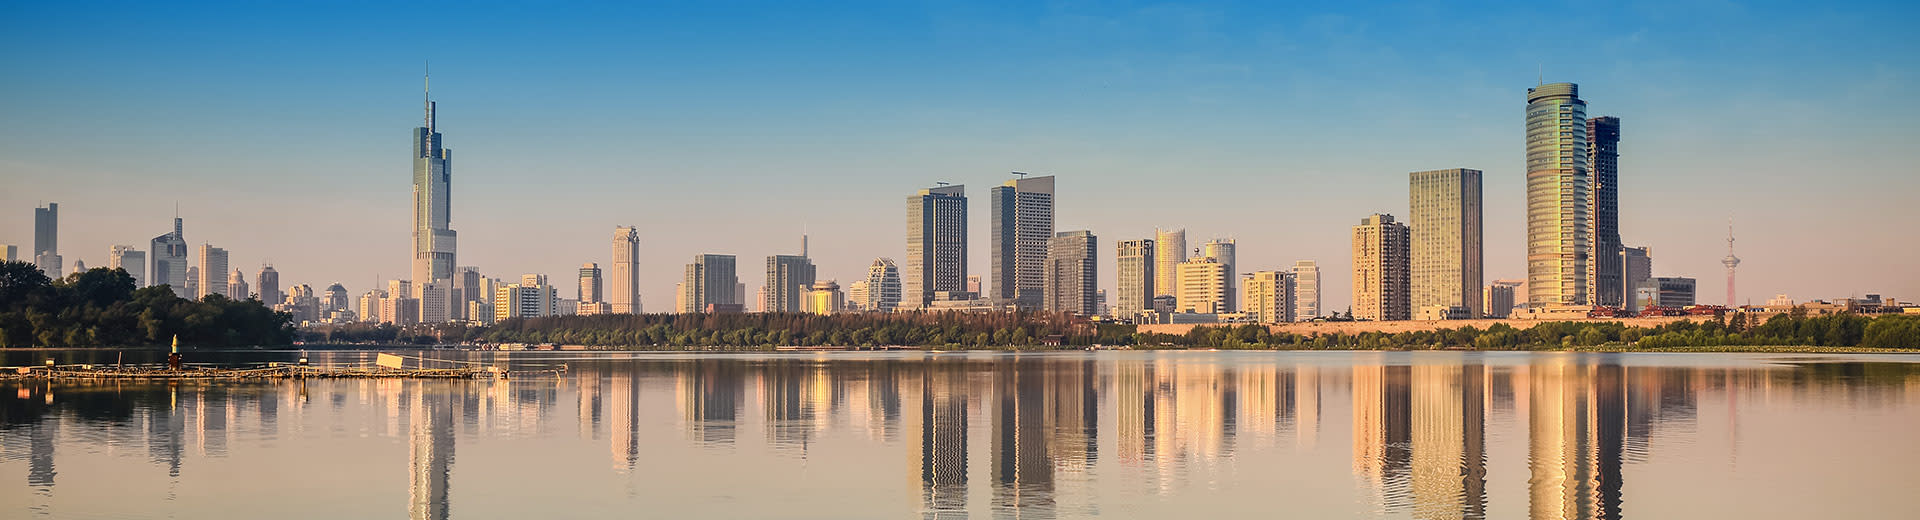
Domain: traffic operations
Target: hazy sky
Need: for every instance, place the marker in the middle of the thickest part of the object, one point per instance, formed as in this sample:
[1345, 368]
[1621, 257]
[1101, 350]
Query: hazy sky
[282, 131]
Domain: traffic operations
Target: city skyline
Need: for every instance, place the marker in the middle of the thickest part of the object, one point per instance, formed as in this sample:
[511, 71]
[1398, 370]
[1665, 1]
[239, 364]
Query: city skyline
[339, 193]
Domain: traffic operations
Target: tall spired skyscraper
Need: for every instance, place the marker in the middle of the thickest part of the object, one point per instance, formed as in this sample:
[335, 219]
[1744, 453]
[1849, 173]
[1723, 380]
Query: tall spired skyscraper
[1559, 239]
[433, 240]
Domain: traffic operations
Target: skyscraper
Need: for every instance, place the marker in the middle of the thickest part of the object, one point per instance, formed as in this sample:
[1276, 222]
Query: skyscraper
[130, 259]
[1636, 265]
[1498, 300]
[1445, 234]
[789, 279]
[1135, 262]
[936, 244]
[710, 279]
[1603, 161]
[883, 287]
[473, 289]
[213, 271]
[1380, 277]
[623, 280]
[1203, 286]
[589, 283]
[1222, 249]
[1071, 274]
[237, 286]
[1559, 240]
[1268, 296]
[1022, 229]
[1306, 290]
[1170, 249]
[193, 282]
[46, 239]
[269, 285]
[169, 256]
[433, 239]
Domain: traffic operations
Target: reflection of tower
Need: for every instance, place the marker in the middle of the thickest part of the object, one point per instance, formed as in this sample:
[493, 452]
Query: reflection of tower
[1576, 415]
[943, 441]
[710, 395]
[588, 403]
[623, 411]
[40, 444]
[429, 452]
[1382, 430]
[1306, 405]
[789, 418]
[1449, 440]
[1731, 262]
[1133, 413]
[164, 431]
[1022, 467]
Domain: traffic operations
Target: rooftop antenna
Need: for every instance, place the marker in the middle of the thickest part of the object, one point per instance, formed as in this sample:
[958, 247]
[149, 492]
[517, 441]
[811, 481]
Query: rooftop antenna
[1022, 175]
[942, 183]
[1543, 74]
[426, 91]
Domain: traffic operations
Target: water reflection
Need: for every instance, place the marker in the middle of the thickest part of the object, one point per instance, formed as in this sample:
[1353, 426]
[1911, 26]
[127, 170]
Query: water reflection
[1011, 436]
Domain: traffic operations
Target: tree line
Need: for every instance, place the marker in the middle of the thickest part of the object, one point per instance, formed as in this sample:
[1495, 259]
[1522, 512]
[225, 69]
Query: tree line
[101, 307]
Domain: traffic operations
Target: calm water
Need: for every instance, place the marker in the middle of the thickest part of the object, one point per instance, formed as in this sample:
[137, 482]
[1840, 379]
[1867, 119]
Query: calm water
[1114, 434]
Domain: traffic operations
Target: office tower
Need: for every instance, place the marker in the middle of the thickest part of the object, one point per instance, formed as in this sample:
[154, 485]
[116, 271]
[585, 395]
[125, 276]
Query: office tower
[1445, 239]
[1071, 274]
[1731, 262]
[168, 253]
[936, 244]
[213, 270]
[1221, 249]
[1603, 166]
[1558, 238]
[589, 283]
[1636, 265]
[1170, 249]
[237, 286]
[709, 280]
[1306, 290]
[1203, 286]
[471, 287]
[1136, 266]
[46, 239]
[433, 239]
[1022, 228]
[1499, 298]
[193, 282]
[268, 283]
[1268, 296]
[1380, 277]
[680, 297]
[335, 299]
[883, 287]
[10, 253]
[824, 297]
[370, 305]
[436, 300]
[740, 296]
[789, 278]
[400, 310]
[130, 259]
[531, 298]
[623, 277]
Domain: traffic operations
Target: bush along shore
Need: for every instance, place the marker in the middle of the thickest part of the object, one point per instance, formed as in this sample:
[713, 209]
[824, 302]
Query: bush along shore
[101, 307]
[1035, 330]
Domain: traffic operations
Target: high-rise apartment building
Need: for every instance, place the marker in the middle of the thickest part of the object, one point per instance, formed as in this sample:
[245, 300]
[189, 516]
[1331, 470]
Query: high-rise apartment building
[1203, 286]
[237, 286]
[623, 277]
[936, 244]
[1499, 298]
[433, 238]
[1445, 239]
[472, 287]
[46, 239]
[1170, 250]
[1380, 271]
[268, 282]
[213, 271]
[1135, 262]
[1559, 239]
[531, 298]
[882, 288]
[1306, 290]
[370, 306]
[789, 279]
[1636, 265]
[436, 300]
[1022, 230]
[1071, 274]
[590, 286]
[1603, 163]
[168, 253]
[130, 259]
[710, 279]
[1222, 250]
[1267, 296]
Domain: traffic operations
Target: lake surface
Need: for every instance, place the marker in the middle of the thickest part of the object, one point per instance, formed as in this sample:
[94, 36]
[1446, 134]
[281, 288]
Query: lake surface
[987, 435]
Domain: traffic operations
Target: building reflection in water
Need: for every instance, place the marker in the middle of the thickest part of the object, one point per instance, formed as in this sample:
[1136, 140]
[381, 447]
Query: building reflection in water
[1021, 432]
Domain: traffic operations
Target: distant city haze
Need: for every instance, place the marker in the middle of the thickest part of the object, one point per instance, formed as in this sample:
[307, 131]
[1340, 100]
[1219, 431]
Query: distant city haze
[281, 132]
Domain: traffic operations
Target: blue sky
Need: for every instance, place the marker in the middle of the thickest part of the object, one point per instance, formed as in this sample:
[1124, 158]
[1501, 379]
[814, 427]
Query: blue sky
[282, 129]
